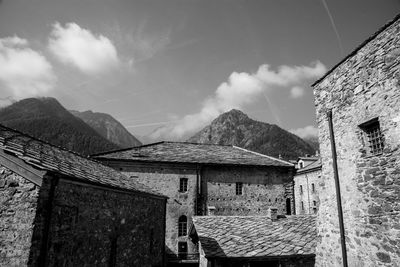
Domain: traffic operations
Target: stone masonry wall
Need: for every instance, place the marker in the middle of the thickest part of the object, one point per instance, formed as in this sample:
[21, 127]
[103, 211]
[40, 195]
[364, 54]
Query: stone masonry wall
[93, 226]
[18, 201]
[262, 188]
[364, 87]
[164, 178]
[308, 196]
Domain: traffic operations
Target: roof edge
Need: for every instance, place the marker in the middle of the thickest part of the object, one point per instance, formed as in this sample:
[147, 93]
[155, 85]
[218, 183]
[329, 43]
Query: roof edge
[266, 156]
[359, 47]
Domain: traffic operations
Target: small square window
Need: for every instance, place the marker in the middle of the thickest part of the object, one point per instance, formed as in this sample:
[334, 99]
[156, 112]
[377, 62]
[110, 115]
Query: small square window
[183, 184]
[239, 188]
[373, 137]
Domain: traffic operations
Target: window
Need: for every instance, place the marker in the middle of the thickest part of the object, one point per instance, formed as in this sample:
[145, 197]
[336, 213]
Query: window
[182, 248]
[182, 226]
[373, 138]
[301, 165]
[183, 183]
[301, 189]
[314, 203]
[302, 205]
[315, 210]
[239, 188]
[313, 188]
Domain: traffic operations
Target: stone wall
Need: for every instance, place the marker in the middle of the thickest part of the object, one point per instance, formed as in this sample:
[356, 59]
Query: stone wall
[253, 262]
[365, 86]
[164, 178]
[91, 225]
[262, 188]
[18, 201]
[307, 196]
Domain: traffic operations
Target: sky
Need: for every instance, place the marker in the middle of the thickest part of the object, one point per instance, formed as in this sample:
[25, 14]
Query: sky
[167, 68]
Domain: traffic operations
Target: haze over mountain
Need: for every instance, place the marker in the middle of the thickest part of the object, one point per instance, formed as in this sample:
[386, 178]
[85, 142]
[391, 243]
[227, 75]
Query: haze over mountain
[46, 119]
[236, 128]
[108, 127]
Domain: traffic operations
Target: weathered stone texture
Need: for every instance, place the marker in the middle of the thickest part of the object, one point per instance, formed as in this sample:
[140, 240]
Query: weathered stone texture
[165, 178]
[262, 188]
[307, 196]
[93, 226]
[363, 87]
[18, 201]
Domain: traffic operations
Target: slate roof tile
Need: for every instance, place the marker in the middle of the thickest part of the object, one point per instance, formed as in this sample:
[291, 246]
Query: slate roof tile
[257, 236]
[181, 152]
[48, 157]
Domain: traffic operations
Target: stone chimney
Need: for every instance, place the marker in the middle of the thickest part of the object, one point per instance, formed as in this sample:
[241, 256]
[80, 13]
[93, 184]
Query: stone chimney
[272, 213]
[210, 210]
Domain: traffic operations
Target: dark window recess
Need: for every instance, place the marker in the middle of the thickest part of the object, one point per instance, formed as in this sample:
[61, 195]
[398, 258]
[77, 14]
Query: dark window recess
[302, 205]
[183, 183]
[315, 203]
[182, 248]
[239, 188]
[182, 226]
[313, 187]
[301, 189]
[373, 137]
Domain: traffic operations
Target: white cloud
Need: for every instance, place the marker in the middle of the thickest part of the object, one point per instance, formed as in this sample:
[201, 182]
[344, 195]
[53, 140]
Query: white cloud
[307, 131]
[23, 71]
[81, 48]
[240, 90]
[296, 92]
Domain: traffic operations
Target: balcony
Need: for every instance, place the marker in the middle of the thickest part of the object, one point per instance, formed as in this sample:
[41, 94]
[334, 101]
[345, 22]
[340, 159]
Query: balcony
[183, 258]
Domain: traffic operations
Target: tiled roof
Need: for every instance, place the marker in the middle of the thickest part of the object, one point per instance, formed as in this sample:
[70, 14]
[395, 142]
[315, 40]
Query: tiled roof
[47, 157]
[180, 152]
[256, 236]
[315, 165]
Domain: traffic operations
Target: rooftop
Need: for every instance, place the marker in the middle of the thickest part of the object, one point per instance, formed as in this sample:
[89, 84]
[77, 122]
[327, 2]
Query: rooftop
[45, 156]
[256, 236]
[181, 152]
[317, 164]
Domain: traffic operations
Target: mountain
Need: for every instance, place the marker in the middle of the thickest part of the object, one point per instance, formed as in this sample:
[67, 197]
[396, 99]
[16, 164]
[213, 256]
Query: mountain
[312, 141]
[108, 127]
[46, 119]
[236, 128]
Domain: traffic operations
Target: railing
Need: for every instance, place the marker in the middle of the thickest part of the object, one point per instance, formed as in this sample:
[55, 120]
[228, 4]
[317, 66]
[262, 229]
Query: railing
[183, 257]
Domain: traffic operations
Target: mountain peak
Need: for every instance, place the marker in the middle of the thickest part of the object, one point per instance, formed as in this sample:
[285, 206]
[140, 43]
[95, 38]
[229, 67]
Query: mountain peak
[236, 128]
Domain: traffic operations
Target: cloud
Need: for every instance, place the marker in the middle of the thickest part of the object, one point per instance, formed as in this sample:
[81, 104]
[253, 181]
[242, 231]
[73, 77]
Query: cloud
[240, 90]
[296, 92]
[307, 131]
[23, 71]
[90, 53]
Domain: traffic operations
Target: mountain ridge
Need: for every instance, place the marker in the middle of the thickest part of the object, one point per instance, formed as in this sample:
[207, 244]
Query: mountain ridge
[46, 119]
[236, 128]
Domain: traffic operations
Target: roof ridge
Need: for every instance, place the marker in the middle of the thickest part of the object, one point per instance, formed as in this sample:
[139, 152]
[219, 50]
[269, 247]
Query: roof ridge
[263, 155]
[352, 53]
[40, 140]
[125, 149]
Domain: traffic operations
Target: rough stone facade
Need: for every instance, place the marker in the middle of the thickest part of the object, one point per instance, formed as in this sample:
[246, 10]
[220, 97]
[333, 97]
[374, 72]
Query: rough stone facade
[365, 86]
[89, 225]
[306, 192]
[262, 188]
[165, 178]
[287, 262]
[18, 202]
[211, 186]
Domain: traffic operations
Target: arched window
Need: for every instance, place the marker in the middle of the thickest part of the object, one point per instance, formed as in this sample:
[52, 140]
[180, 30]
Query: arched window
[182, 226]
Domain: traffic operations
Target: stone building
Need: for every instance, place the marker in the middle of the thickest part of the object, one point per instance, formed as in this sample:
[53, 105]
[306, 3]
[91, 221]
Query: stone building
[252, 241]
[363, 93]
[204, 179]
[60, 209]
[306, 191]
